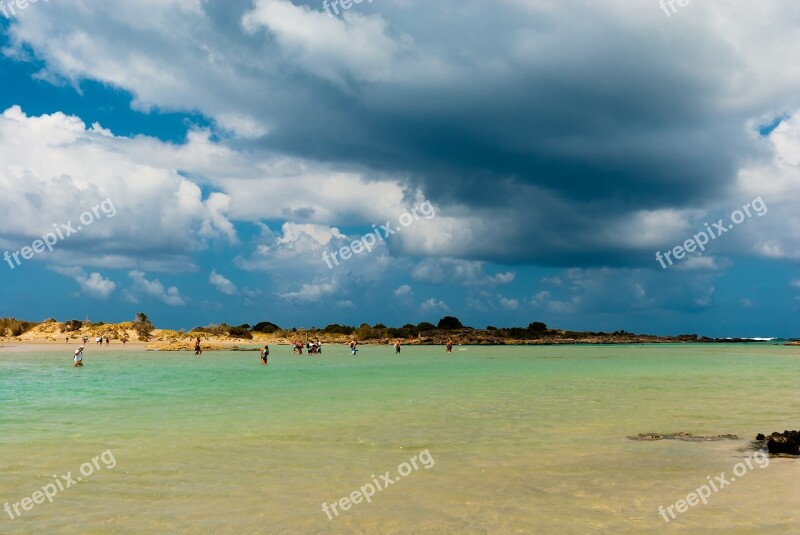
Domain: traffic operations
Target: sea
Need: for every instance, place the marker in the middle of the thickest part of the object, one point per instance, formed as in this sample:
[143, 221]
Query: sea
[483, 440]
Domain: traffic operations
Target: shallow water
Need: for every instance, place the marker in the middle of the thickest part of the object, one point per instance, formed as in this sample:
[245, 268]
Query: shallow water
[523, 439]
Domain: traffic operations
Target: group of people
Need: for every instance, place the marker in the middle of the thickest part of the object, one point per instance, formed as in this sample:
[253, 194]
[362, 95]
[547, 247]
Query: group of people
[313, 348]
[100, 339]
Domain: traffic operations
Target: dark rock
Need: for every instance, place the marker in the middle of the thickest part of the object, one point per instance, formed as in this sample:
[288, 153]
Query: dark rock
[787, 442]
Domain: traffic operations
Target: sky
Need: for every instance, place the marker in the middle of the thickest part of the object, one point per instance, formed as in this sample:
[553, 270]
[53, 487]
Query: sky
[503, 162]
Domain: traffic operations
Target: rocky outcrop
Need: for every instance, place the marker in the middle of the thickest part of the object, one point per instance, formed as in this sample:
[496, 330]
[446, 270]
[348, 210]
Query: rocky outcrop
[787, 442]
[688, 437]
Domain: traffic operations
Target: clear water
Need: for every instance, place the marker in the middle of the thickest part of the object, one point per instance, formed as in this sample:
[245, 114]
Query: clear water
[524, 439]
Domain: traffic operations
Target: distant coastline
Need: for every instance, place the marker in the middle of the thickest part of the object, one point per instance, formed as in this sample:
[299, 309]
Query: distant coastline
[224, 337]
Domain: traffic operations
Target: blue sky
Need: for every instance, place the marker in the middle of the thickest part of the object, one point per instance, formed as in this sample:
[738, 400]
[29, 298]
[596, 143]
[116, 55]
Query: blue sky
[559, 146]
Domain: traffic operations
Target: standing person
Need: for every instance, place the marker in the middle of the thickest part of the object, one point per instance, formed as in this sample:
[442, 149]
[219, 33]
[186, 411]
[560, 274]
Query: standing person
[319, 347]
[124, 341]
[78, 358]
[264, 355]
[197, 349]
[397, 347]
[85, 339]
[353, 347]
[449, 347]
[108, 340]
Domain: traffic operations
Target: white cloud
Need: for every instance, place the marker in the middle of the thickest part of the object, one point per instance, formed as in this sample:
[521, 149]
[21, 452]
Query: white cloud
[464, 272]
[222, 284]
[434, 305]
[94, 284]
[157, 210]
[310, 293]
[354, 47]
[404, 291]
[509, 304]
[297, 236]
[170, 296]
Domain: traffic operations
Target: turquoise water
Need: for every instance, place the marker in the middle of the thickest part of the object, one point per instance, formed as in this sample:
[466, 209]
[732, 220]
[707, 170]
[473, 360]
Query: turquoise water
[523, 439]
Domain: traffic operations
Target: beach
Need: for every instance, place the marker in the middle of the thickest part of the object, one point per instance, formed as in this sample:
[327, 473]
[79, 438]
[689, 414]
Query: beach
[521, 439]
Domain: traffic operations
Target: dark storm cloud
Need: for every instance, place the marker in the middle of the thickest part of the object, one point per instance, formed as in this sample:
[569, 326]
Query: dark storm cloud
[609, 119]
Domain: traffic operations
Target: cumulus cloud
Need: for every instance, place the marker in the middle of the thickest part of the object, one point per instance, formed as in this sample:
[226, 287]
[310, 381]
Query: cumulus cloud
[434, 305]
[507, 303]
[93, 284]
[451, 270]
[153, 288]
[310, 293]
[576, 134]
[222, 284]
[527, 157]
[57, 168]
[403, 291]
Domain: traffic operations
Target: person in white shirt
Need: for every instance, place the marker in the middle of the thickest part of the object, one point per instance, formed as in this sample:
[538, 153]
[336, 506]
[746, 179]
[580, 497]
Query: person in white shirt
[78, 357]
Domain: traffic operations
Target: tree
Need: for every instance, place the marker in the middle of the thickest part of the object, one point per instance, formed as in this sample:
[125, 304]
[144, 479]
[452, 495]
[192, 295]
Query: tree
[365, 332]
[265, 327]
[425, 326]
[537, 327]
[143, 326]
[335, 328]
[449, 323]
[239, 332]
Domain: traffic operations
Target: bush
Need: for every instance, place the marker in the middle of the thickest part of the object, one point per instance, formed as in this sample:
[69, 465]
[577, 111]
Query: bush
[449, 323]
[425, 326]
[15, 327]
[335, 328]
[403, 332]
[240, 332]
[365, 332]
[222, 329]
[265, 327]
[71, 326]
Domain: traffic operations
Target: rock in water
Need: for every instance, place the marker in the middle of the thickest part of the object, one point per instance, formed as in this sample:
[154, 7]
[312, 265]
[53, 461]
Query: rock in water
[688, 437]
[787, 442]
